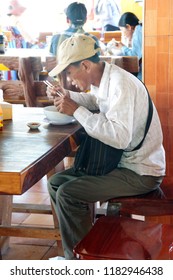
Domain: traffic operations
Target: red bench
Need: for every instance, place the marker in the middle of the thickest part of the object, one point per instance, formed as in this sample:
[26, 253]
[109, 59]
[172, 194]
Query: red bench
[156, 203]
[116, 236]
[122, 238]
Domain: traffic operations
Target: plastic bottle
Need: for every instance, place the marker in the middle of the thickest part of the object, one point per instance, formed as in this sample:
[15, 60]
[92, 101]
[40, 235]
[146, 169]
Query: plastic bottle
[2, 44]
[43, 74]
[1, 119]
[1, 75]
[5, 107]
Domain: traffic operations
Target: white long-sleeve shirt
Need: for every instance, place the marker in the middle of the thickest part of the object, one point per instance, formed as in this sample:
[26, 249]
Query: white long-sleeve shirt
[123, 103]
[109, 12]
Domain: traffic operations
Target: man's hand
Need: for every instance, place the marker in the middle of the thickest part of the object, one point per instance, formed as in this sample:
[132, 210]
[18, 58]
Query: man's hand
[52, 92]
[65, 105]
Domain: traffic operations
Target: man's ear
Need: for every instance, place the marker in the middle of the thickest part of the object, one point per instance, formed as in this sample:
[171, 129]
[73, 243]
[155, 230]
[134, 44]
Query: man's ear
[87, 65]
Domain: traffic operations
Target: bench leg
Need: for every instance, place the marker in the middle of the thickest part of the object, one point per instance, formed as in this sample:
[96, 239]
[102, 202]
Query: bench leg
[5, 219]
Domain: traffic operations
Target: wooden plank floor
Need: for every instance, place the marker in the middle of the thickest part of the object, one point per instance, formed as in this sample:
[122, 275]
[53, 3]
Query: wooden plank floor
[32, 248]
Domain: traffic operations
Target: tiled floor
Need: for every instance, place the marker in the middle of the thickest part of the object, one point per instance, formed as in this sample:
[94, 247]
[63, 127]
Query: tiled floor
[31, 248]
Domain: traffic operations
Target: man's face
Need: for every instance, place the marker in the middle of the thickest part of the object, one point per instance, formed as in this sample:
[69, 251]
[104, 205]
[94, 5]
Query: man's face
[79, 76]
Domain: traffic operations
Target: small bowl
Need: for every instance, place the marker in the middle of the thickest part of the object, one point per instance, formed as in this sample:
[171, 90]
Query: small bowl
[33, 125]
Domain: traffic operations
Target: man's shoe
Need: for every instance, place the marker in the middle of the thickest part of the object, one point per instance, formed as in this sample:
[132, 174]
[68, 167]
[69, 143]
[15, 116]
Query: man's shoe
[58, 258]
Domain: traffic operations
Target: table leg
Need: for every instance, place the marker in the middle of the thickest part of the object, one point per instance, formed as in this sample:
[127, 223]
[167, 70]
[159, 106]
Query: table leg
[5, 219]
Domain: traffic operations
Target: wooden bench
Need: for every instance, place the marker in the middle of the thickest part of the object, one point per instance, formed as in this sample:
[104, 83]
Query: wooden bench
[128, 63]
[107, 232]
[95, 33]
[154, 206]
[42, 36]
[109, 35]
[122, 238]
[155, 203]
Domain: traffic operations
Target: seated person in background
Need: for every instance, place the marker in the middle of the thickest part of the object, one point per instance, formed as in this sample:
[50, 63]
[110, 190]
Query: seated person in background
[119, 122]
[131, 32]
[19, 18]
[76, 16]
[17, 40]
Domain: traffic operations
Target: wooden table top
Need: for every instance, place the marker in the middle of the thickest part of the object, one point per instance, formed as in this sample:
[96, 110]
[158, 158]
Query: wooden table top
[19, 52]
[11, 57]
[27, 155]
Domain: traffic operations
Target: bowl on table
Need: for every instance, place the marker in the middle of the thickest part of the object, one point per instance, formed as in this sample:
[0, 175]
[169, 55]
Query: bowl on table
[55, 117]
[33, 125]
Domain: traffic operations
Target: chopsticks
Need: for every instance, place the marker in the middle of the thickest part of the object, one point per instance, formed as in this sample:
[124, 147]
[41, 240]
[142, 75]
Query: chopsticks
[52, 86]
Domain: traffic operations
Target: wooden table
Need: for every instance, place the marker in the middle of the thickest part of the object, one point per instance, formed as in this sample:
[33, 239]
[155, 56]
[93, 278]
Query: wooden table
[27, 155]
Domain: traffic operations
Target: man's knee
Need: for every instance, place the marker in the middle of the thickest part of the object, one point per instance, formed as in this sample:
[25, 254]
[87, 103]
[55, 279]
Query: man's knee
[64, 189]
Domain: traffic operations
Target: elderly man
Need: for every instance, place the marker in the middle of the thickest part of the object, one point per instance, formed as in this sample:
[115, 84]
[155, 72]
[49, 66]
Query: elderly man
[122, 105]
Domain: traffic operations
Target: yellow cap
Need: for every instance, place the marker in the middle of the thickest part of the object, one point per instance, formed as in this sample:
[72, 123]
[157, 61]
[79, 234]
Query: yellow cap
[76, 48]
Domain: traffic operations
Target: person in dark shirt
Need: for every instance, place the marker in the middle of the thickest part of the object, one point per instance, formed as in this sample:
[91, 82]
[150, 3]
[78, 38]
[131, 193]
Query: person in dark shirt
[76, 16]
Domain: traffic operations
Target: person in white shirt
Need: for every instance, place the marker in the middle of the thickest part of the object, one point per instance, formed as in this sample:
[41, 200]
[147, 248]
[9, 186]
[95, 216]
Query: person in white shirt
[107, 13]
[122, 103]
[20, 19]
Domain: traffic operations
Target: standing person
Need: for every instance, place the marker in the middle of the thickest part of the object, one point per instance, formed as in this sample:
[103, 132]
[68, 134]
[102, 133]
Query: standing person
[122, 103]
[107, 14]
[131, 28]
[76, 16]
[20, 17]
